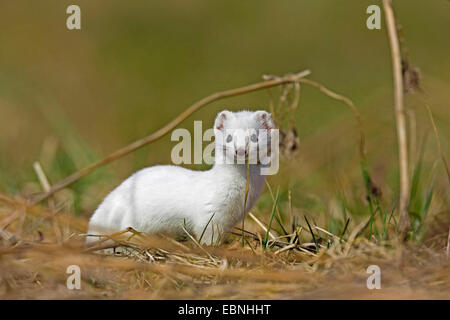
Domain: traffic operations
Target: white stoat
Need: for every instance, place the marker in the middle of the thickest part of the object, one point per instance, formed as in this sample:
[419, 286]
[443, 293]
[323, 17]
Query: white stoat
[164, 199]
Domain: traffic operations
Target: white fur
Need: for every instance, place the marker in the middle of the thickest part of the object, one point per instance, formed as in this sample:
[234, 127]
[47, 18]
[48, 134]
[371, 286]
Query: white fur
[162, 199]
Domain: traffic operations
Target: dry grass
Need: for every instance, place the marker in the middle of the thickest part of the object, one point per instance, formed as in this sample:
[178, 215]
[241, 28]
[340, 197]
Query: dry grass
[33, 265]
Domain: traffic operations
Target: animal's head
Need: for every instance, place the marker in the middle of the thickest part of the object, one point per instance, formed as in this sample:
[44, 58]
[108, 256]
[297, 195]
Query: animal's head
[243, 135]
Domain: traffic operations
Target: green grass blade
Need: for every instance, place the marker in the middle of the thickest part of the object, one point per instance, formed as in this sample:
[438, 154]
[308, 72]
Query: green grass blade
[285, 233]
[414, 200]
[345, 227]
[312, 233]
[429, 197]
[247, 188]
[204, 229]
[266, 238]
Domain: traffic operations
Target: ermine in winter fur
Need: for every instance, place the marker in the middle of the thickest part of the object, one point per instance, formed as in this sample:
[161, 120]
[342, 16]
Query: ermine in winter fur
[165, 198]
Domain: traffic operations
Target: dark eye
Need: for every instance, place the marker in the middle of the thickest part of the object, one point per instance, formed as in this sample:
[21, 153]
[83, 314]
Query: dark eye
[229, 138]
[254, 138]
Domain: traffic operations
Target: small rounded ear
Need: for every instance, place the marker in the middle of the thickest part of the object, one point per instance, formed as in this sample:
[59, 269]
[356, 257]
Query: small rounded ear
[221, 118]
[265, 118]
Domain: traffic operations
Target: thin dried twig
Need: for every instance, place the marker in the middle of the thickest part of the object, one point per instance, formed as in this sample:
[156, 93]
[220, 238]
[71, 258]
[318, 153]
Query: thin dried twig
[288, 247]
[197, 244]
[404, 223]
[168, 127]
[103, 238]
[273, 199]
[327, 232]
[259, 223]
[353, 236]
[46, 186]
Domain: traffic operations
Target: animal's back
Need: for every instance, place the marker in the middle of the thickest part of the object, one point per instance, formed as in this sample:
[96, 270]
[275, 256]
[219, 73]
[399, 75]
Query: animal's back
[154, 199]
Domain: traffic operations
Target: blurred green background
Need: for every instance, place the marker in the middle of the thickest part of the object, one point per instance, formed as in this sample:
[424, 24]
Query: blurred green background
[68, 98]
